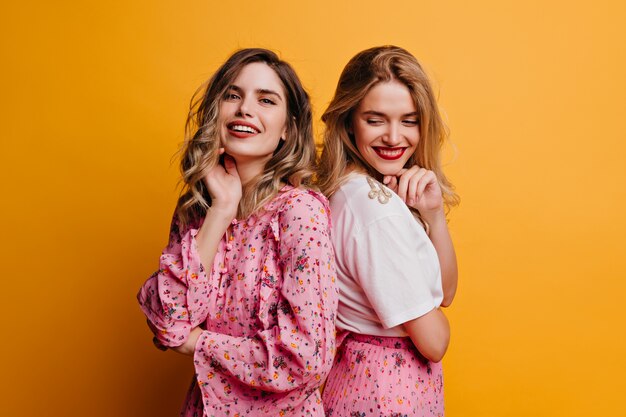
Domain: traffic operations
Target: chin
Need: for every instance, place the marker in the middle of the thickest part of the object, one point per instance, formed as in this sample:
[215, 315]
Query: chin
[388, 170]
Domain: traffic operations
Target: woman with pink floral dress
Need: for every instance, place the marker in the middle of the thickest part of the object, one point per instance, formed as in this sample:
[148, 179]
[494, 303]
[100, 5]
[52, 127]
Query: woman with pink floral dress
[246, 285]
[396, 264]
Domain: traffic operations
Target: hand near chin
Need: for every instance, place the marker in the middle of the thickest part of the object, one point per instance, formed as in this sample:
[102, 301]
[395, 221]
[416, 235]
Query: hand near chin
[418, 188]
[224, 186]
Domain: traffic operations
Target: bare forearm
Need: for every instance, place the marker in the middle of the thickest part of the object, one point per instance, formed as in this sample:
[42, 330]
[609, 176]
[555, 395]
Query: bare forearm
[430, 334]
[189, 347]
[224, 187]
[440, 237]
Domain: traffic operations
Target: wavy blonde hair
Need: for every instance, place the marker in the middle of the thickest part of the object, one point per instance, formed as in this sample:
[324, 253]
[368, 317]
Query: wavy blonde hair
[365, 70]
[293, 161]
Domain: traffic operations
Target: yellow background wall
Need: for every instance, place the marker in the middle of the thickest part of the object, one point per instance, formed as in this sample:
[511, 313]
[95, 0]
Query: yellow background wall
[94, 97]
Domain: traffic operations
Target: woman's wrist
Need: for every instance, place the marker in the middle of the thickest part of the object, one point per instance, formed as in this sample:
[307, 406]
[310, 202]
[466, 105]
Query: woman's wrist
[220, 212]
[435, 218]
[216, 218]
[189, 347]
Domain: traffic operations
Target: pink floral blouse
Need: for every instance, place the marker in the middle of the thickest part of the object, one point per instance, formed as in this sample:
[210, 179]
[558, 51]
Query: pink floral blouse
[267, 305]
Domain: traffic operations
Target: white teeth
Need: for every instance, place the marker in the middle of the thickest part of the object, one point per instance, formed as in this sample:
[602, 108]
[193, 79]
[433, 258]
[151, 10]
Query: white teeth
[241, 128]
[389, 153]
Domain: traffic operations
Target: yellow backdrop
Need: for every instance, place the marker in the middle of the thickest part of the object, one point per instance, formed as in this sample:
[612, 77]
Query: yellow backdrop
[94, 97]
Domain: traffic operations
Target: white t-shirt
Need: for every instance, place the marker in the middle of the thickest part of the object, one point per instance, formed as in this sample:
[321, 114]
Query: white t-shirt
[387, 267]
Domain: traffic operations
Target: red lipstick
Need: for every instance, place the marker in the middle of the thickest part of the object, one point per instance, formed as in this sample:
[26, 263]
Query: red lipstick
[241, 129]
[389, 154]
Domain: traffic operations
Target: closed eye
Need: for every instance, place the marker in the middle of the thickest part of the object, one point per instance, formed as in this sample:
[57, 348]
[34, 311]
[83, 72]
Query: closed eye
[231, 96]
[374, 122]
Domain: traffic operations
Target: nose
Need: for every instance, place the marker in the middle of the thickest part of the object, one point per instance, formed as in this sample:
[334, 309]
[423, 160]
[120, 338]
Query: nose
[392, 136]
[244, 108]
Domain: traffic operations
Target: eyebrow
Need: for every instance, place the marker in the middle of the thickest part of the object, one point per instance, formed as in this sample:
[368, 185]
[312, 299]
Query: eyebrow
[377, 113]
[261, 91]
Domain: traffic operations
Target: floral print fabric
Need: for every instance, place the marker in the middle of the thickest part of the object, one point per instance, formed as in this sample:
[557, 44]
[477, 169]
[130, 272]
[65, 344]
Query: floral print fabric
[267, 305]
[376, 376]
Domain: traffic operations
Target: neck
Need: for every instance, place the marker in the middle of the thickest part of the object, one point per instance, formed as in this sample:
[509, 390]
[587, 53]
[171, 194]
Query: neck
[249, 169]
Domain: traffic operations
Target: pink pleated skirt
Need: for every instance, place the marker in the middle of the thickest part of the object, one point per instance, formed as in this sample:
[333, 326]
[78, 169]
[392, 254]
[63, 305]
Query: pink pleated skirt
[382, 376]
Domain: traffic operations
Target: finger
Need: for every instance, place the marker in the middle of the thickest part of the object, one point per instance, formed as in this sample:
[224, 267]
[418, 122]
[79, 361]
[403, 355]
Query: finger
[402, 171]
[230, 166]
[393, 183]
[389, 179]
[412, 195]
[220, 152]
[429, 178]
[404, 182]
[401, 188]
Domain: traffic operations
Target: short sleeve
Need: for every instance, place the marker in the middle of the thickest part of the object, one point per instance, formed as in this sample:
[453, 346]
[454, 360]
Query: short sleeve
[395, 264]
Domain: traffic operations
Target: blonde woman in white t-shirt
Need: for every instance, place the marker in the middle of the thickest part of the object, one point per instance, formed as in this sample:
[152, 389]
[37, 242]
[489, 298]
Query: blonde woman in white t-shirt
[381, 169]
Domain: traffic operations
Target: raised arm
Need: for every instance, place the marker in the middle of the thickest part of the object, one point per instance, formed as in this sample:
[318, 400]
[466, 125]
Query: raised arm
[419, 188]
[440, 237]
[224, 186]
[395, 264]
[174, 298]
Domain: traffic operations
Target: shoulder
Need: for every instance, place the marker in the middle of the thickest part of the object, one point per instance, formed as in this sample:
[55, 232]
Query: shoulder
[367, 200]
[291, 200]
[300, 216]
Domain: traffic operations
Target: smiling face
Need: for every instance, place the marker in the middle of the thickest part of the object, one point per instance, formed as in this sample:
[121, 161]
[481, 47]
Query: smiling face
[253, 114]
[386, 127]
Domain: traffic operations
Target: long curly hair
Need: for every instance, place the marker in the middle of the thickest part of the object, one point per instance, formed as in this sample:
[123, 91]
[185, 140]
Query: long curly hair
[365, 70]
[292, 163]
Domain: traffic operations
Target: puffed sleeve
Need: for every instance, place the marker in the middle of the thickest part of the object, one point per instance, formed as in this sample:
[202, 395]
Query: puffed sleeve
[298, 351]
[174, 297]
